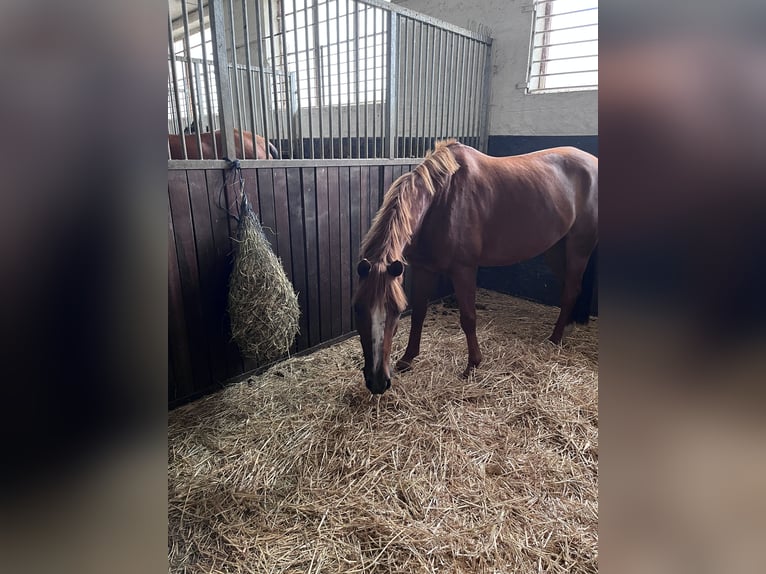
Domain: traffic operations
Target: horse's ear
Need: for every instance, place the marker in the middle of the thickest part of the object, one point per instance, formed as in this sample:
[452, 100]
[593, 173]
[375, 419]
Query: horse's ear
[395, 268]
[363, 268]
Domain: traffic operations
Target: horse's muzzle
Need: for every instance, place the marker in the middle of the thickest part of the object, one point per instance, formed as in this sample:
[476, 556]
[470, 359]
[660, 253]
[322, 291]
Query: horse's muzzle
[378, 384]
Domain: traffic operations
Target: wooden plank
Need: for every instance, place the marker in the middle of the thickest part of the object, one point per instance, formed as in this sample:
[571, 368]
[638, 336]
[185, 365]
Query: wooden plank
[297, 238]
[282, 219]
[345, 250]
[333, 194]
[355, 225]
[387, 181]
[210, 288]
[222, 224]
[323, 255]
[178, 342]
[266, 207]
[183, 228]
[311, 244]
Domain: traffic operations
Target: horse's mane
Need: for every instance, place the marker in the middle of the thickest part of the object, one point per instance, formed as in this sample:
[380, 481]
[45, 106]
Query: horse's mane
[403, 207]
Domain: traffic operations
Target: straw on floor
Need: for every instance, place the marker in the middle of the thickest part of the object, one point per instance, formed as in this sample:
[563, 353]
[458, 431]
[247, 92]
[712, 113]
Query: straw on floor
[302, 470]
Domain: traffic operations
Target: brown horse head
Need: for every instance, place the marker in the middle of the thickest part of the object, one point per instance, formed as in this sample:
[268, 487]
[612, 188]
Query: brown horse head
[378, 303]
[380, 297]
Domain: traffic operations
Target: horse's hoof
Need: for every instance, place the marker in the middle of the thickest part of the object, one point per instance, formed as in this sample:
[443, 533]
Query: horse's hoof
[403, 366]
[468, 370]
[554, 340]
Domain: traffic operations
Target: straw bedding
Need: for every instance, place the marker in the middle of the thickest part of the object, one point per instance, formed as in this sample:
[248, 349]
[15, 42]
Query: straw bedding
[302, 470]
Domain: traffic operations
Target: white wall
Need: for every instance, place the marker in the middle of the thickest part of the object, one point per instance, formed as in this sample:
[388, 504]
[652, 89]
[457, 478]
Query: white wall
[513, 112]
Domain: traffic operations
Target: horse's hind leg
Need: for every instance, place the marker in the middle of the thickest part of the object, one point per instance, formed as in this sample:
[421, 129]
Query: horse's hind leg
[578, 250]
[423, 282]
[464, 282]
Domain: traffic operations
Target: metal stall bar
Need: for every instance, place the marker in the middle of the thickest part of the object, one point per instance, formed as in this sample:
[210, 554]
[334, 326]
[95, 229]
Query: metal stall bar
[317, 74]
[249, 64]
[429, 142]
[471, 99]
[366, 84]
[261, 68]
[298, 82]
[415, 113]
[327, 78]
[348, 75]
[174, 74]
[463, 93]
[206, 69]
[484, 125]
[235, 74]
[289, 88]
[392, 79]
[356, 78]
[274, 84]
[401, 107]
[223, 87]
[190, 84]
[393, 43]
[340, 89]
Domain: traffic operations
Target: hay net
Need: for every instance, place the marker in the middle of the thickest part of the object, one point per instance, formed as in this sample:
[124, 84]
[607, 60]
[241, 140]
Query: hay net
[263, 307]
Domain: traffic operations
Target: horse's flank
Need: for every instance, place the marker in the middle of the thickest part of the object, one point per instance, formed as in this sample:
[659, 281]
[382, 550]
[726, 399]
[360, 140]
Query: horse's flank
[254, 147]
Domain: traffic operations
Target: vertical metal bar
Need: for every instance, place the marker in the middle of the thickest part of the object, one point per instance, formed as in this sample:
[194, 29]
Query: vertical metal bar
[466, 88]
[449, 83]
[235, 74]
[392, 79]
[405, 81]
[393, 40]
[460, 103]
[318, 75]
[249, 64]
[340, 90]
[223, 87]
[484, 130]
[356, 78]
[476, 108]
[205, 67]
[275, 101]
[327, 78]
[438, 91]
[288, 85]
[366, 83]
[469, 90]
[348, 74]
[312, 63]
[174, 74]
[431, 90]
[261, 70]
[187, 53]
[308, 78]
[298, 83]
[418, 91]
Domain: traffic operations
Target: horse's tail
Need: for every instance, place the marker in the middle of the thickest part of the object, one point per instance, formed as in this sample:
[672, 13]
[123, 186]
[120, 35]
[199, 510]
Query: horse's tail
[273, 151]
[581, 311]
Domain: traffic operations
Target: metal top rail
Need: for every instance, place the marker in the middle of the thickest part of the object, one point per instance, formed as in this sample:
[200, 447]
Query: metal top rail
[417, 16]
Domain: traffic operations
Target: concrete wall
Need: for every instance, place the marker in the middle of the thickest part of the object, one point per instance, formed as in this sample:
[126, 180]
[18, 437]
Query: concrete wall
[512, 111]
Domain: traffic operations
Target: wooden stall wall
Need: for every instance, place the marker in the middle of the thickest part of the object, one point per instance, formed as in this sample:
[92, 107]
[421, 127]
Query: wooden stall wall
[314, 218]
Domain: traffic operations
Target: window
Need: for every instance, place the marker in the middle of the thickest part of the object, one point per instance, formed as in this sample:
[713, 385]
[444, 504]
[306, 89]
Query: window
[564, 46]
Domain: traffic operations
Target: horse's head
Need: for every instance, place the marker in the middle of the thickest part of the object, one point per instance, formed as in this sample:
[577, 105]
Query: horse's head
[378, 302]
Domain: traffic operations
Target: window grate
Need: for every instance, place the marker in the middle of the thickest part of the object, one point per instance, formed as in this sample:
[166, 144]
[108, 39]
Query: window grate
[563, 46]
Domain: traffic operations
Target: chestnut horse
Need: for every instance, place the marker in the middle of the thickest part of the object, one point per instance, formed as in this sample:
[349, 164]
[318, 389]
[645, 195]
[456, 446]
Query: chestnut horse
[460, 209]
[208, 151]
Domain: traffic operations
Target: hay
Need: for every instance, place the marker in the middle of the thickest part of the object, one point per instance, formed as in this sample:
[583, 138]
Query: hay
[302, 470]
[263, 306]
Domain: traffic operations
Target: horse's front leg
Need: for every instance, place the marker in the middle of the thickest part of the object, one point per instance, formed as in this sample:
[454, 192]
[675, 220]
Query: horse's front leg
[423, 282]
[464, 281]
